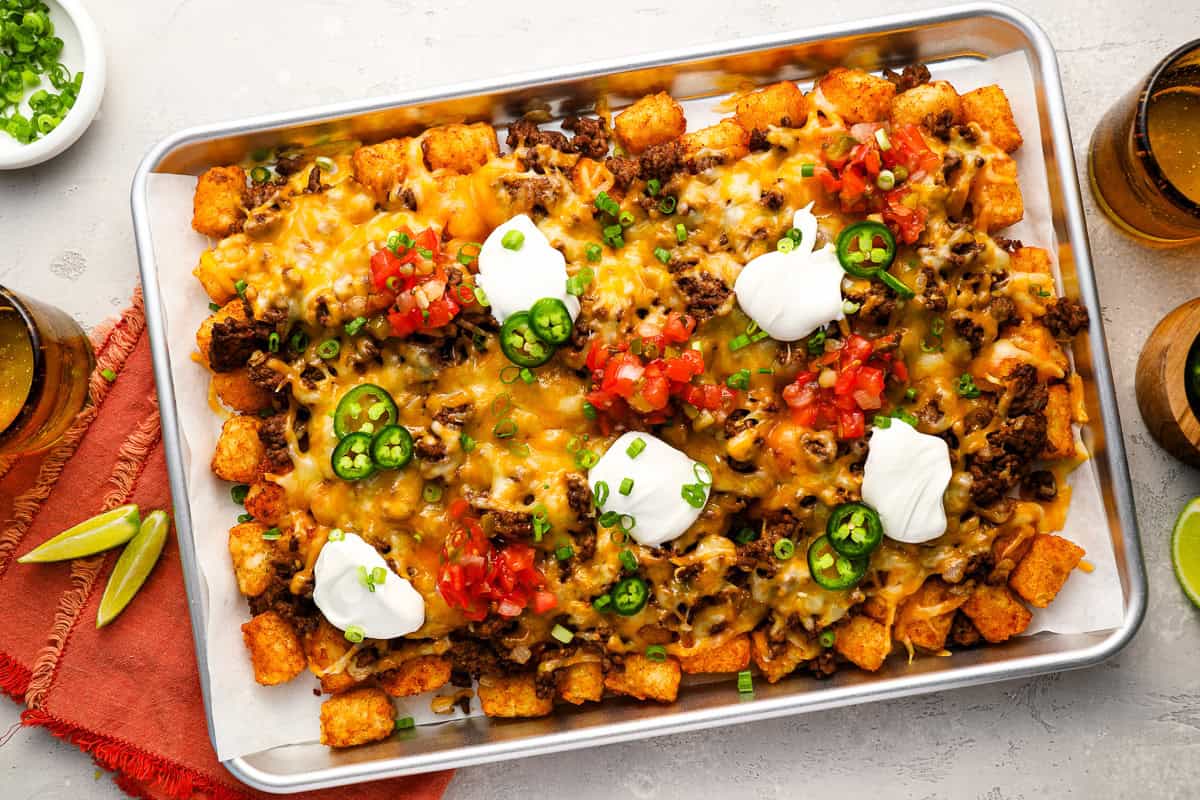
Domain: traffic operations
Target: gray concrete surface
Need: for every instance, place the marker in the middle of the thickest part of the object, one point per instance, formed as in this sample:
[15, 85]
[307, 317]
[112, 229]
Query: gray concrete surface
[1128, 727]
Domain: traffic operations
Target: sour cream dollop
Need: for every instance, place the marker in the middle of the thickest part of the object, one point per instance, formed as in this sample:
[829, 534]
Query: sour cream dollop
[393, 609]
[659, 472]
[516, 279]
[904, 478]
[792, 294]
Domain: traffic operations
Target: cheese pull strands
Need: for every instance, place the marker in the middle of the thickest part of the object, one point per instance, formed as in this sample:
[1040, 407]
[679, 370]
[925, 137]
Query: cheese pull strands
[101, 532]
[134, 566]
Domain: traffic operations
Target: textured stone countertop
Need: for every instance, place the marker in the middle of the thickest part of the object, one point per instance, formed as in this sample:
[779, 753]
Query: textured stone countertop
[1126, 727]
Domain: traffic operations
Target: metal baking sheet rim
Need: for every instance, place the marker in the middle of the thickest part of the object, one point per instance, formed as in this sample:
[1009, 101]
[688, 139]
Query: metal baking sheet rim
[1128, 550]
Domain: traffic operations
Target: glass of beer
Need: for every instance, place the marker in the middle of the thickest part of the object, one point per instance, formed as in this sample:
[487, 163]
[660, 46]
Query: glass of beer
[1144, 160]
[46, 361]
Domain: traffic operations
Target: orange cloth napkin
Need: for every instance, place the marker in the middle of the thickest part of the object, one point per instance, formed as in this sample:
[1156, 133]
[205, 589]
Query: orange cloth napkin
[128, 694]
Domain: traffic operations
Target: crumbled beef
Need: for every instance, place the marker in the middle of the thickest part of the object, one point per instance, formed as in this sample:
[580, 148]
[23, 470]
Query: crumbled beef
[758, 141]
[363, 351]
[680, 262]
[931, 296]
[940, 126]
[525, 133]
[234, 341]
[823, 666]
[704, 293]
[758, 556]
[821, 448]
[1065, 318]
[930, 415]
[273, 435]
[510, 525]
[591, 137]
[473, 657]
[430, 448]
[314, 184]
[993, 473]
[311, 376]
[585, 544]
[738, 420]
[407, 198]
[1007, 245]
[964, 252]
[1002, 308]
[951, 161]
[963, 632]
[261, 374]
[531, 192]
[772, 199]
[579, 495]
[1024, 437]
[298, 609]
[289, 164]
[661, 160]
[256, 194]
[971, 331]
[978, 417]
[876, 302]
[910, 77]
[741, 467]
[1027, 394]
[624, 170]
[450, 351]
[454, 416]
[1041, 484]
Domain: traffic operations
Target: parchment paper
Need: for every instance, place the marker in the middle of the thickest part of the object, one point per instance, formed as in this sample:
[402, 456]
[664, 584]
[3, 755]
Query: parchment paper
[247, 717]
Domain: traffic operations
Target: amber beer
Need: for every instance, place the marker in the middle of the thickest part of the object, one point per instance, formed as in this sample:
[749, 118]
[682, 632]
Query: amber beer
[1144, 161]
[45, 364]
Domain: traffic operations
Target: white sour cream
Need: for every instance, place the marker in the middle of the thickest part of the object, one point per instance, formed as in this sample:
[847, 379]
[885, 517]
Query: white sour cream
[792, 294]
[904, 478]
[393, 609]
[659, 473]
[516, 279]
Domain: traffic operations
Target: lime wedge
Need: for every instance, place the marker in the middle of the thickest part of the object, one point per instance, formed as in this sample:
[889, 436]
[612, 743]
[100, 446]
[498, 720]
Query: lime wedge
[133, 567]
[1185, 549]
[101, 532]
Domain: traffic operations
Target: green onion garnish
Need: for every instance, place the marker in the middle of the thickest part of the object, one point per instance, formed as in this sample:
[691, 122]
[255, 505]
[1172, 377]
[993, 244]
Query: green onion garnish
[694, 494]
[593, 251]
[662, 254]
[564, 553]
[882, 138]
[745, 682]
[653, 187]
[238, 493]
[656, 652]
[329, 349]
[626, 486]
[337, 535]
[108, 375]
[886, 180]
[667, 204]
[467, 441]
[784, 549]
[244, 518]
[703, 474]
[213, 307]
[967, 387]
[513, 240]
[910, 394]
[745, 535]
[828, 638]
[355, 325]
[625, 219]
[239, 286]
[738, 342]
[562, 634]
[600, 492]
[431, 493]
[609, 518]
[628, 560]
[586, 459]
[785, 245]
[807, 170]
[405, 724]
[681, 233]
[602, 603]
[271, 534]
[589, 410]
[467, 257]
[355, 634]
[505, 428]
[741, 378]
[816, 343]
[635, 447]
[510, 374]
[527, 375]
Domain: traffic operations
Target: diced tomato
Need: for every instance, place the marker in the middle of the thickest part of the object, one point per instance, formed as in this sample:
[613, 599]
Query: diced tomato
[598, 356]
[543, 602]
[851, 424]
[870, 379]
[679, 327]
[857, 349]
[655, 392]
[621, 374]
[473, 574]
[906, 222]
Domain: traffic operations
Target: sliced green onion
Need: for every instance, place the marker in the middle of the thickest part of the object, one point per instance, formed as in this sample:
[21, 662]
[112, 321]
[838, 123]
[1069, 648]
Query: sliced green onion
[273, 342]
[465, 257]
[745, 682]
[239, 286]
[739, 379]
[703, 474]
[626, 522]
[967, 387]
[882, 138]
[562, 634]
[886, 180]
[628, 560]
[589, 410]
[681, 233]
[881, 421]
[431, 493]
[564, 553]
[510, 374]
[656, 652]
[586, 459]
[901, 172]
[337, 535]
[527, 375]
[625, 219]
[653, 187]
[694, 494]
[602, 603]
[244, 518]
[593, 251]
[738, 342]
[271, 534]
[405, 724]
[828, 638]
[325, 163]
[513, 240]
[667, 204]
[355, 325]
[910, 394]
[505, 428]
[784, 549]
[213, 307]
[600, 492]
[785, 245]
[662, 254]
[745, 535]
[108, 375]
[354, 634]
[609, 519]
[238, 493]
[807, 169]
[626, 486]
[937, 326]
[467, 441]
[635, 447]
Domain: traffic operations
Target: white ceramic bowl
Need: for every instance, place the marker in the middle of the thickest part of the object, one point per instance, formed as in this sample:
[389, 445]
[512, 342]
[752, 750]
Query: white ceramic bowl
[82, 50]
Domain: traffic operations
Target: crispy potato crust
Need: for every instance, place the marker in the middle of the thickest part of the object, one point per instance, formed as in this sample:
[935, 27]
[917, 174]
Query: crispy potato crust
[929, 100]
[416, 676]
[646, 679]
[856, 96]
[580, 683]
[863, 642]
[217, 204]
[512, 696]
[1044, 570]
[731, 656]
[654, 119]
[996, 612]
[274, 647]
[357, 717]
[988, 107]
[239, 451]
[780, 104]
[459, 148]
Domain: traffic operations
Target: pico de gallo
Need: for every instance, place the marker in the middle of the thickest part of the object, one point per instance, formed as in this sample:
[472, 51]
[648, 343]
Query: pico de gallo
[409, 273]
[867, 169]
[841, 386]
[643, 375]
[474, 574]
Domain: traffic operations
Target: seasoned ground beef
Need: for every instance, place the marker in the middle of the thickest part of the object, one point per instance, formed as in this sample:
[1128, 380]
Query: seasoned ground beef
[759, 555]
[1007, 245]
[1041, 484]
[1024, 437]
[234, 341]
[531, 192]
[579, 495]
[585, 544]
[524, 133]
[910, 77]
[510, 525]
[454, 416]
[970, 330]
[738, 420]
[591, 137]
[1002, 308]
[1065, 318]
[823, 666]
[1027, 395]
[289, 164]
[963, 632]
[705, 294]
[314, 185]
[430, 448]
[876, 302]
[772, 199]
[932, 296]
[261, 374]
[624, 170]
[993, 473]
[273, 434]
[256, 194]
[661, 160]
[473, 657]
[951, 161]
[758, 141]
